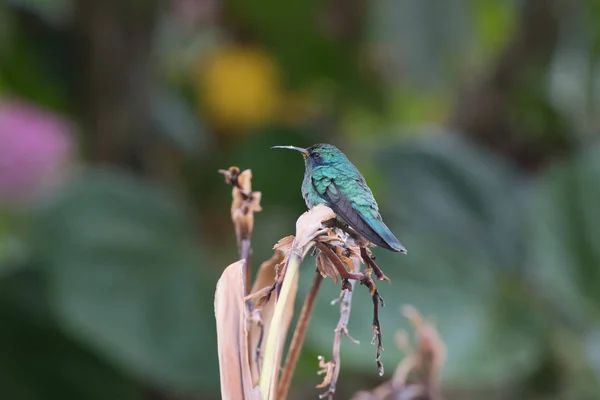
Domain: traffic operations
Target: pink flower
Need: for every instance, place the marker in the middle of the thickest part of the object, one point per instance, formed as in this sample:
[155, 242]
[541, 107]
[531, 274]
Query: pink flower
[34, 148]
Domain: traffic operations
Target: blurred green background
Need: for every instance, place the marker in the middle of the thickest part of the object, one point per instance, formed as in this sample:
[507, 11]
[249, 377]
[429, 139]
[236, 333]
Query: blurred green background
[475, 122]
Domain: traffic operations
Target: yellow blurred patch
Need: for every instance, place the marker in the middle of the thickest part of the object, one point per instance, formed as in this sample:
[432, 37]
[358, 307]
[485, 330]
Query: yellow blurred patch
[240, 88]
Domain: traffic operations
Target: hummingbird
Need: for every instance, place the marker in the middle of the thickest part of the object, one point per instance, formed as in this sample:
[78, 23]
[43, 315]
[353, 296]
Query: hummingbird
[332, 180]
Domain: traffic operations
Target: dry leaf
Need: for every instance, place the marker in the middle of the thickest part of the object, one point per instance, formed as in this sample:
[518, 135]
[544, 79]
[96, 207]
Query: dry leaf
[308, 227]
[310, 224]
[326, 268]
[266, 272]
[284, 245]
[232, 345]
[260, 297]
[347, 262]
[230, 174]
[265, 279]
[245, 202]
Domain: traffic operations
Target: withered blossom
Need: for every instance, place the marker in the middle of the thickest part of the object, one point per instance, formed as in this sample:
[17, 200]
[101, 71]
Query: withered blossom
[254, 325]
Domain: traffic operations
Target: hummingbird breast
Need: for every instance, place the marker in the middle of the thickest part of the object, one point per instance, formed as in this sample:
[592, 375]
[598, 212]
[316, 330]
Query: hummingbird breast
[310, 195]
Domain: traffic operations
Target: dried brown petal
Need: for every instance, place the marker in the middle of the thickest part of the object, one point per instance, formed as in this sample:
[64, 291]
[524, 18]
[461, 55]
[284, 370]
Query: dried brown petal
[331, 239]
[260, 297]
[245, 180]
[244, 203]
[347, 263]
[326, 268]
[310, 224]
[255, 203]
[284, 245]
[266, 272]
[353, 251]
[230, 174]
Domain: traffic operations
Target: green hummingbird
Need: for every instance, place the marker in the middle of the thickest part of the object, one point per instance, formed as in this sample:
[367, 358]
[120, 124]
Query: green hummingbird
[331, 179]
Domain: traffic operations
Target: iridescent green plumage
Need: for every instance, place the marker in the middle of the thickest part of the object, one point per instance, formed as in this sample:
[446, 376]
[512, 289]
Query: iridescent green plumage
[331, 179]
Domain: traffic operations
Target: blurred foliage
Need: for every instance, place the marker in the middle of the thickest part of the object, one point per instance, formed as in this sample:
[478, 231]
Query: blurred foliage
[39, 360]
[136, 263]
[107, 279]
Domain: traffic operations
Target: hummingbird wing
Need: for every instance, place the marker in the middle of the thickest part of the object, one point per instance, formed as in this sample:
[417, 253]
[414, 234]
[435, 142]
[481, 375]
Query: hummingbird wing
[348, 195]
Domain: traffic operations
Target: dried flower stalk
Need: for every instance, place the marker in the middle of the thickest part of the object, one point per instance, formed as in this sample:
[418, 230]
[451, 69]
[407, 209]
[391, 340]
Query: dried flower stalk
[268, 310]
[245, 203]
[309, 226]
[298, 339]
[365, 279]
[417, 376]
[263, 310]
[341, 330]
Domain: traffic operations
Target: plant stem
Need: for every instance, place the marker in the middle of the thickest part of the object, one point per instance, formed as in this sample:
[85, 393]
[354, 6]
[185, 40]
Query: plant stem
[269, 370]
[298, 338]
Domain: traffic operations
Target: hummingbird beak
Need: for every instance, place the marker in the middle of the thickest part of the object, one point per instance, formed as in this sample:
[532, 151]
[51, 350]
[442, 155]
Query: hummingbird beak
[301, 150]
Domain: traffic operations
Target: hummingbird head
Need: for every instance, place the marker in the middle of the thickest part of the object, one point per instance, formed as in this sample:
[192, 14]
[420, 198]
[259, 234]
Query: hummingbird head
[318, 154]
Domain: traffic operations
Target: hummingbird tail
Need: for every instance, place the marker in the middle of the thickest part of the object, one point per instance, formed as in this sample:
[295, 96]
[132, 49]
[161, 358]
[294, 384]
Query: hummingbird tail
[374, 230]
[386, 239]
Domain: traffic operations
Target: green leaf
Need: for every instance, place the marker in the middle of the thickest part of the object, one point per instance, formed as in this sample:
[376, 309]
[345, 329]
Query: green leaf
[38, 69]
[37, 359]
[125, 277]
[433, 40]
[456, 210]
[56, 12]
[565, 230]
[493, 19]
